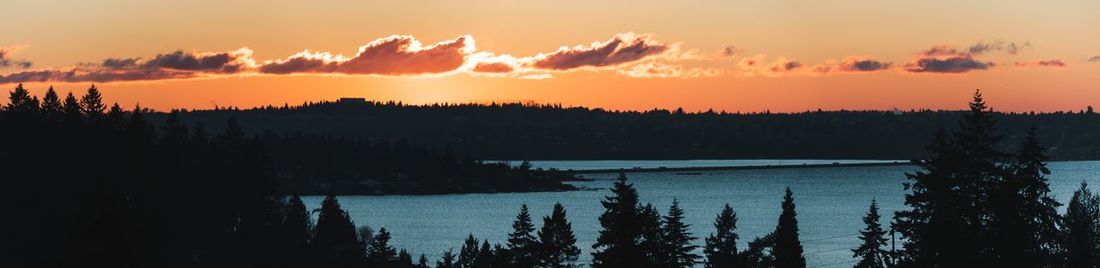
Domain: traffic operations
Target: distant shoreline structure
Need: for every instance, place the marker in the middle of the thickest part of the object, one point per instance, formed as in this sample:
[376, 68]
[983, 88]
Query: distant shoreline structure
[745, 167]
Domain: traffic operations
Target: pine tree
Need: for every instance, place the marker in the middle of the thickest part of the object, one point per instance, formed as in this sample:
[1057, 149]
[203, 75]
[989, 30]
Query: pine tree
[617, 244]
[485, 256]
[71, 108]
[651, 245]
[298, 227]
[1025, 216]
[335, 235]
[521, 242]
[788, 249]
[870, 253]
[721, 247]
[1082, 228]
[978, 175]
[556, 240]
[51, 104]
[447, 261]
[676, 239]
[469, 252]
[379, 252]
[422, 262]
[404, 260]
[92, 102]
[20, 101]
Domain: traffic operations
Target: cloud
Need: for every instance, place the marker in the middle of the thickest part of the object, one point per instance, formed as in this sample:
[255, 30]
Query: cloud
[620, 49]
[1094, 59]
[752, 63]
[854, 64]
[174, 65]
[393, 55]
[1042, 63]
[730, 51]
[956, 64]
[783, 65]
[946, 59]
[1011, 47]
[7, 61]
[396, 55]
[661, 70]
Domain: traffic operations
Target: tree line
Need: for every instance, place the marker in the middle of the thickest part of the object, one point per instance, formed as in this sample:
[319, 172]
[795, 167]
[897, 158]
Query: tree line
[87, 185]
[513, 131]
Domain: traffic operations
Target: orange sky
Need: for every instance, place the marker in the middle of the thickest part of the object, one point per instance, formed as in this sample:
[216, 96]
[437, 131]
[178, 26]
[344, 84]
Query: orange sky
[1026, 55]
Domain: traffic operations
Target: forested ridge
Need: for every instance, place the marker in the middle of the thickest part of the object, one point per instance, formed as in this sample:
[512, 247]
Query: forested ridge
[513, 131]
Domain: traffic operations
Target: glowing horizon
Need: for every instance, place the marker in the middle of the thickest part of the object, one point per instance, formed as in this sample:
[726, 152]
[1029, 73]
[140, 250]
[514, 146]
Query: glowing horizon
[721, 55]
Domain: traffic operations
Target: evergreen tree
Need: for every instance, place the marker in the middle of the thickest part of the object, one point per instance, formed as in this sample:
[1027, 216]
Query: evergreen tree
[51, 104]
[978, 175]
[1082, 228]
[298, 227]
[485, 256]
[651, 245]
[1024, 213]
[335, 235]
[21, 102]
[721, 247]
[469, 252]
[422, 262]
[617, 243]
[788, 249]
[92, 103]
[870, 253]
[521, 242]
[71, 108]
[379, 252]
[404, 260]
[448, 260]
[557, 243]
[677, 242]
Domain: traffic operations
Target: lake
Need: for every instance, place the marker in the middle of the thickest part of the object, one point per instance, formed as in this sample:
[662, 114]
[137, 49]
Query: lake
[831, 202]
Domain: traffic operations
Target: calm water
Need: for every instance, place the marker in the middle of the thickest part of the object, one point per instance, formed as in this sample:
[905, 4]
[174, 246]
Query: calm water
[630, 164]
[830, 204]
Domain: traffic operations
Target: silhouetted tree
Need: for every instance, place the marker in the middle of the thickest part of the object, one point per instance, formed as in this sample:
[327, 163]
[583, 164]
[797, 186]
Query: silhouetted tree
[870, 253]
[522, 244]
[51, 104]
[447, 261]
[788, 249]
[335, 235]
[92, 103]
[469, 252]
[721, 247]
[676, 239]
[617, 244]
[379, 252]
[1082, 224]
[652, 245]
[486, 257]
[557, 243]
[1025, 215]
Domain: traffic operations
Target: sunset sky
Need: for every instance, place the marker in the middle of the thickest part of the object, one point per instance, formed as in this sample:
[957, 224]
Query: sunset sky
[722, 55]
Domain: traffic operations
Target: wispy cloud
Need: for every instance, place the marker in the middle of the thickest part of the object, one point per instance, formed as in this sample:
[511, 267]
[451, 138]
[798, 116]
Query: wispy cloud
[853, 64]
[947, 59]
[1042, 63]
[6, 60]
[620, 49]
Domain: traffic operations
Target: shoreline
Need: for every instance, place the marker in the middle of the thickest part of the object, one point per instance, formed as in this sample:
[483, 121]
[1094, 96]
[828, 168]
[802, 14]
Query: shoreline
[746, 167]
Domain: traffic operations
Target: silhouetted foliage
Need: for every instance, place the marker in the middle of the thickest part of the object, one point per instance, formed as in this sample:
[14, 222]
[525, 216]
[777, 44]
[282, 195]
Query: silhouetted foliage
[557, 244]
[529, 131]
[1082, 229]
[871, 253]
[721, 247]
[618, 242]
[788, 249]
[677, 242]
